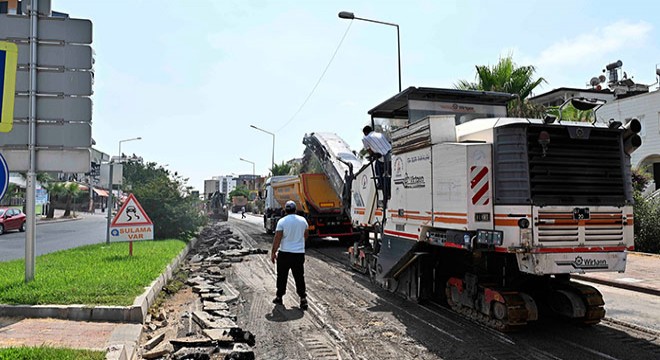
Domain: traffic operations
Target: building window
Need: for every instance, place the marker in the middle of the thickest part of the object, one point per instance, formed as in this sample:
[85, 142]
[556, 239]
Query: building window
[641, 121]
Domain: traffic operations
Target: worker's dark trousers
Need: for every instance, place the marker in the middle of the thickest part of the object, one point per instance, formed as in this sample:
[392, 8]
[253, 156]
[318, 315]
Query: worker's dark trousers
[383, 173]
[295, 262]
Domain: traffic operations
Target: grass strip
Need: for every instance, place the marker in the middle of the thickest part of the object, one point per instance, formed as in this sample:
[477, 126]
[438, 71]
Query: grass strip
[48, 353]
[91, 275]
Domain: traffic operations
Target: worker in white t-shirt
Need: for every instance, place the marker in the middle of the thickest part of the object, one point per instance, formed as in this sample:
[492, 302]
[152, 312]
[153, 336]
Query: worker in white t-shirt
[290, 236]
[380, 148]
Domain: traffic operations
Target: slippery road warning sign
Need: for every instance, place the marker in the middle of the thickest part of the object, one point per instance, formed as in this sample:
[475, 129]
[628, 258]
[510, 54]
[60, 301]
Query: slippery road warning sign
[131, 222]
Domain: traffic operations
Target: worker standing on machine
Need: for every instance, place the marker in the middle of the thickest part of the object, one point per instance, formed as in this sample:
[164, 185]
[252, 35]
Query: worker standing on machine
[380, 148]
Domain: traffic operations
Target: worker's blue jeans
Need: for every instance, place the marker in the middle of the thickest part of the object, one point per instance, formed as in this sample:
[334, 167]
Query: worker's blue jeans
[383, 174]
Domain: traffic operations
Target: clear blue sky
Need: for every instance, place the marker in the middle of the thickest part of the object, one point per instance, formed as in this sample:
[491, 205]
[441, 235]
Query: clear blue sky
[189, 77]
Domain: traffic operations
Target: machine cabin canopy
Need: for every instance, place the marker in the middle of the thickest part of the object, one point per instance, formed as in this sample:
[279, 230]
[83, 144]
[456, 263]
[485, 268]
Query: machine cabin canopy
[413, 104]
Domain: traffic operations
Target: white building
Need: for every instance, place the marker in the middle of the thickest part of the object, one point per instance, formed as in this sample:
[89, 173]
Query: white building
[558, 96]
[621, 105]
[646, 108]
[224, 184]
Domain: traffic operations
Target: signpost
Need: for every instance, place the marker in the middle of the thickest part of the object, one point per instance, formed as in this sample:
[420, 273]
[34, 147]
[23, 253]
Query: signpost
[4, 177]
[42, 197]
[52, 29]
[55, 72]
[131, 223]
[8, 56]
[55, 108]
[52, 82]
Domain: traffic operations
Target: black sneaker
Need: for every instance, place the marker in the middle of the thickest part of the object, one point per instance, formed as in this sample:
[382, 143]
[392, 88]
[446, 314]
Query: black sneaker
[303, 303]
[277, 300]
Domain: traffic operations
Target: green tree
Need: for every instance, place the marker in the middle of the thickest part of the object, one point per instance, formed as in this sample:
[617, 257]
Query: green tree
[42, 178]
[165, 197]
[11, 191]
[281, 169]
[240, 190]
[647, 215]
[54, 190]
[570, 113]
[506, 76]
[70, 190]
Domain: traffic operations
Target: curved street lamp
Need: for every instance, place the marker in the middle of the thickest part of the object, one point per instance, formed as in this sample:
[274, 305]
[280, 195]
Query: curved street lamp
[126, 140]
[350, 16]
[273, 152]
[111, 199]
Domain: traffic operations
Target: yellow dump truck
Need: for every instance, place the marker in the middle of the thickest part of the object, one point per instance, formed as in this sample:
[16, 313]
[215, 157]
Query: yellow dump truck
[315, 200]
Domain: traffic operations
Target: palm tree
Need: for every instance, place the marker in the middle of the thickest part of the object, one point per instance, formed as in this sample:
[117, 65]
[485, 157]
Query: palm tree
[280, 169]
[11, 190]
[507, 77]
[70, 190]
[570, 113]
[54, 189]
[42, 178]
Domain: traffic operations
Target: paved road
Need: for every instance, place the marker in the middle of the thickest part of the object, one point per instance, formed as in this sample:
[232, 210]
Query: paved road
[632, 307]
[368, 323]
[622, 305]
[55, 236]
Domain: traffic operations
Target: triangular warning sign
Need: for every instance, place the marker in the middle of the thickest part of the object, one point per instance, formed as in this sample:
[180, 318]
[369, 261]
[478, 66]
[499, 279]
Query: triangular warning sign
[131, 213]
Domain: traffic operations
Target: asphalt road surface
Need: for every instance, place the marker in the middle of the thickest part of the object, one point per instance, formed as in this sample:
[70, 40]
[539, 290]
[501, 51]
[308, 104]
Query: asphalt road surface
[54, 236]
[349, 318]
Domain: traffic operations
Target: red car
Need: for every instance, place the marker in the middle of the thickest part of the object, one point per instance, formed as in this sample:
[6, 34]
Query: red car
[11, 219]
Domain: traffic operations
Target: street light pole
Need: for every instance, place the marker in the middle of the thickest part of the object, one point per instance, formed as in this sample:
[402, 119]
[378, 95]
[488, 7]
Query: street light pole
[125, 140]
[273, 152]
[111, 201]
[253, 182]
[351, 16]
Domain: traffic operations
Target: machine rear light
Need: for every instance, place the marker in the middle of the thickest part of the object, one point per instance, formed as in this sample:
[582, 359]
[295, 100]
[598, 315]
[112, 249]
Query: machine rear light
[490, 237]
[523, 223]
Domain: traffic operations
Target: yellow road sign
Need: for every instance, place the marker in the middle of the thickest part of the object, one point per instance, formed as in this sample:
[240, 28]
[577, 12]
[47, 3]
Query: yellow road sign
[8, 59]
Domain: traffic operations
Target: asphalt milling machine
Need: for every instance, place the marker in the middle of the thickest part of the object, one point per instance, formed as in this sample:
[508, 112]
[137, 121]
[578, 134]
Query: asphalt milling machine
[493, 214]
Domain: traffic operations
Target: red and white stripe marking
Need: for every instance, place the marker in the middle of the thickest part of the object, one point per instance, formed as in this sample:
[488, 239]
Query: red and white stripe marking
[479, 185]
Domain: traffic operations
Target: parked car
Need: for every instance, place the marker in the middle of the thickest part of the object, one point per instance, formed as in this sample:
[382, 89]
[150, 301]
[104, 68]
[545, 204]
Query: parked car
[11, 219]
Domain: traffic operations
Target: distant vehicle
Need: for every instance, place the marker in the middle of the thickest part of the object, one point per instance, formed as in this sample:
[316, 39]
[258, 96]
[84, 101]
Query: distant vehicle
[11, 219]
[315, 200]
[238, 202]
[216, 206]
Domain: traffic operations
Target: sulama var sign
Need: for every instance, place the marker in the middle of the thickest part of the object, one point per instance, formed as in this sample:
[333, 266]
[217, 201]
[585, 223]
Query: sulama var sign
[131, 222]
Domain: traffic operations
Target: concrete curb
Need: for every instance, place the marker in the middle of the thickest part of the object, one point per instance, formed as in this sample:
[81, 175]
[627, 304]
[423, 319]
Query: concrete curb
[644, 254]
[123, 341]
[56, 221]
[617, 284]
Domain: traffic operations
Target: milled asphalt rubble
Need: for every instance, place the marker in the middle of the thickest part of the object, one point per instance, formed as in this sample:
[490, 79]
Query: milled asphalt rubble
[216, 332]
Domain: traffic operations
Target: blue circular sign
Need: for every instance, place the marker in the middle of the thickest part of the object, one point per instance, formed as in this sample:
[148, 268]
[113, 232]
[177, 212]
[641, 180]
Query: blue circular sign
[4, 176]
[114, 232]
